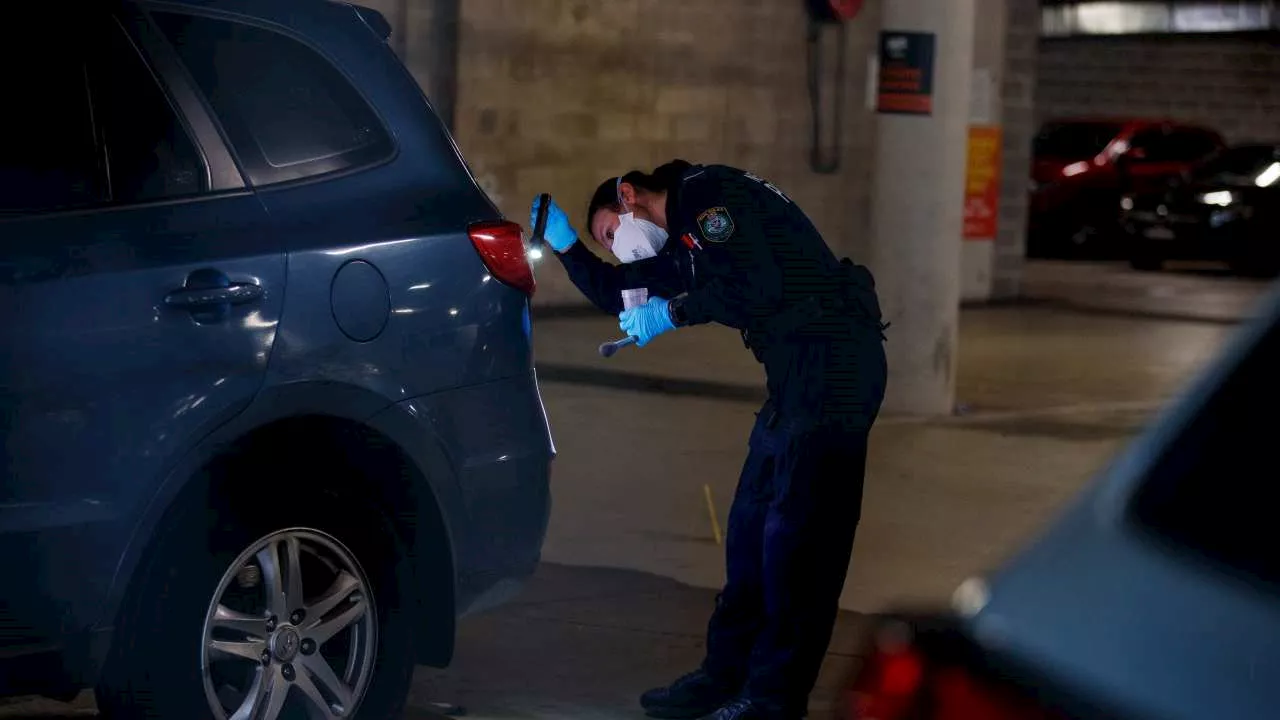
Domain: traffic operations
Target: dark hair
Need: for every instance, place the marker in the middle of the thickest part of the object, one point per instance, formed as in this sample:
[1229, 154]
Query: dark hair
[661, 179]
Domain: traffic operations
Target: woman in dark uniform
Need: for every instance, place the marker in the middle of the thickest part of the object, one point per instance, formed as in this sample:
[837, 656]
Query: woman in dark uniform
[716, 244]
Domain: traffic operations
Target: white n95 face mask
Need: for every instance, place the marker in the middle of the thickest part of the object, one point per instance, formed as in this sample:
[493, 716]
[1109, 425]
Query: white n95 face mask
[637, 239]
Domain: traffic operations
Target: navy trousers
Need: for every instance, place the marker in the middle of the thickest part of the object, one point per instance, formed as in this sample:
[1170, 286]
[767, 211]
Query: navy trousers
[790, 535]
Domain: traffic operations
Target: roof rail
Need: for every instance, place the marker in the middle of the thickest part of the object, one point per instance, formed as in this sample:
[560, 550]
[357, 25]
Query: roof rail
[373, 19]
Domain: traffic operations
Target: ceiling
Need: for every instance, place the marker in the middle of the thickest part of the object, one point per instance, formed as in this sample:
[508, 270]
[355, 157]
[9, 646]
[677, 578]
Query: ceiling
[1068, 18]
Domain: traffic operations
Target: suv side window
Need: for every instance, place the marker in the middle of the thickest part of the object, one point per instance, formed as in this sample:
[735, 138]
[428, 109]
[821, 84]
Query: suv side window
[289, 113]
[48, 155]
[86, 123]
[148, 153]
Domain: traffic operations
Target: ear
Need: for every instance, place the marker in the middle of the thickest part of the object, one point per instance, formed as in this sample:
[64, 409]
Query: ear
[628, 193]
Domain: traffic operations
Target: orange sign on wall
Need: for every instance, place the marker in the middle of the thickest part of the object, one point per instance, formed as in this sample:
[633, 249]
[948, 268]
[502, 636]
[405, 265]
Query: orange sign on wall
[982, 184]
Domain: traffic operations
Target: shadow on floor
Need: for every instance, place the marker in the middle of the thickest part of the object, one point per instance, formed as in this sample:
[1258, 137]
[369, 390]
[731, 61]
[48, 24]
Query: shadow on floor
[585, 642]
[577, 643]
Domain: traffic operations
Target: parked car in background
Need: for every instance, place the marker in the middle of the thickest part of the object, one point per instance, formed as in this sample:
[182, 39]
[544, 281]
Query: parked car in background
[269, 411]
[1082, 167]
[1156, 595]
[1226, 209]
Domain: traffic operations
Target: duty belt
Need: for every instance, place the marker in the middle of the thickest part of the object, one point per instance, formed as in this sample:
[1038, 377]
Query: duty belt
[855, 304]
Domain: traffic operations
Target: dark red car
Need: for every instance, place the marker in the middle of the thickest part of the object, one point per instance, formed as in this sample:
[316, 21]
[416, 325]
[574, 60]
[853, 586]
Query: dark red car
[1081, 167]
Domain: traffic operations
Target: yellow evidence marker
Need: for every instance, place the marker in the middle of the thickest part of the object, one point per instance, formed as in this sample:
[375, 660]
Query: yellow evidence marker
[715, 520]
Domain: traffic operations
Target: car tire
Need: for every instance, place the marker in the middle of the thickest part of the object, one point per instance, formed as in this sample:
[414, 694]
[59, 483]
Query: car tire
[160, 666]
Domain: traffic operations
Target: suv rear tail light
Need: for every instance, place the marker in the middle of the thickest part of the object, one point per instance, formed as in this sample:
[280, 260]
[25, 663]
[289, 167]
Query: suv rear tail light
[501, 247]
[944, 679]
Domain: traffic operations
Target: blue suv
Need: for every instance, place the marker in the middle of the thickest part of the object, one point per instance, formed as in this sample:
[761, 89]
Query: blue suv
[268, 402]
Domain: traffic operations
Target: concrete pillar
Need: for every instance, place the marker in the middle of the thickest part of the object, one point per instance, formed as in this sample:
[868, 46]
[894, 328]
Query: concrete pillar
[977, 252]
[1021, 56]
[917, 212]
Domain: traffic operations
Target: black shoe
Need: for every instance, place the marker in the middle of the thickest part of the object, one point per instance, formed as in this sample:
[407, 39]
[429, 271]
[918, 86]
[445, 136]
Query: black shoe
[742, 709]
[693, 696]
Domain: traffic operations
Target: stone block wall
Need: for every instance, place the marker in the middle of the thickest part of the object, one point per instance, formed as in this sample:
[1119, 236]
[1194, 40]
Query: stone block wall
[557, 95]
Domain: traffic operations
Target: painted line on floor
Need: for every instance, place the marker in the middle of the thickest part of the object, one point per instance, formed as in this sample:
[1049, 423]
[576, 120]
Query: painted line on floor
[989, 416]
[646, 383]
[1230, 312]
[1076, 307]
[627, 381]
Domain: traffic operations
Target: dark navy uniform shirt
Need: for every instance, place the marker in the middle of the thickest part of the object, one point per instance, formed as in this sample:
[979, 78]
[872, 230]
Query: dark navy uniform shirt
[744, 255]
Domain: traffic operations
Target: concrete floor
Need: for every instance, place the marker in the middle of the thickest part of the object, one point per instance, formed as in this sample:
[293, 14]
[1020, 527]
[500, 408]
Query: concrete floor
[1048, 390]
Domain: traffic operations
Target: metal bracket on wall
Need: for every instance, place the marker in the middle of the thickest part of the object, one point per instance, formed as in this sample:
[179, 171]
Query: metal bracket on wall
[827, 162]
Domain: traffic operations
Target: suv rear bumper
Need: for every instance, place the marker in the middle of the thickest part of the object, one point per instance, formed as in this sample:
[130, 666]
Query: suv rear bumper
[495, 491]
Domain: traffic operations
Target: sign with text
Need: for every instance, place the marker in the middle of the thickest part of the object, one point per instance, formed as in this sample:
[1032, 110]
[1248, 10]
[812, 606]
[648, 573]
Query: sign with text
[905, 85]
[982, 183]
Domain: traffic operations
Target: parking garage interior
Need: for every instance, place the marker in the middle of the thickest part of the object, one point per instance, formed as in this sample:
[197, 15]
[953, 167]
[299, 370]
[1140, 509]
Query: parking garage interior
[1067, 223]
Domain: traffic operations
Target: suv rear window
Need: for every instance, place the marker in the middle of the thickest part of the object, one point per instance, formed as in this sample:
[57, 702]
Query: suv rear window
[1213, 491]
[289, 113]
[1074, 140]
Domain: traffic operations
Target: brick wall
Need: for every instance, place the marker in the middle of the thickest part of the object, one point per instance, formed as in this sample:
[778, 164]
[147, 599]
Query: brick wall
[417, 30]
[1231, 83]
[556, 95]
[1018, 119]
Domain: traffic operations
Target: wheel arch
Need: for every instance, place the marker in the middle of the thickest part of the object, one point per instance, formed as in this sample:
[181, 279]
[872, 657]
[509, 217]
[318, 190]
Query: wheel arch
[329, 421]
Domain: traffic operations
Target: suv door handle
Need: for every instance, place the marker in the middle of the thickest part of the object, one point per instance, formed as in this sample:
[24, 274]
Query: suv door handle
[209, 295]
[233, 294]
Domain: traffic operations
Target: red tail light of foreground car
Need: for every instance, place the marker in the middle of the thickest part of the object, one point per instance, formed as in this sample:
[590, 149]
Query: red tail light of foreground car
[932, 674]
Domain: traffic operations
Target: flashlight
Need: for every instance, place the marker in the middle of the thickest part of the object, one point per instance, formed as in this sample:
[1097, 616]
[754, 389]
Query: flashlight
[538, 241]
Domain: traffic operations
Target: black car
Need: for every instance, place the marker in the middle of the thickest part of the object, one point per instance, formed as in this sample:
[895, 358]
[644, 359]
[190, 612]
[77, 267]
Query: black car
[1226, 209]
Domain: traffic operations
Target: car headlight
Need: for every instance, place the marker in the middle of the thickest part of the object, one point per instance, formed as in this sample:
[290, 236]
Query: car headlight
[1222, 198]
[1075, 169]
[1126, 202]
[1269, 176]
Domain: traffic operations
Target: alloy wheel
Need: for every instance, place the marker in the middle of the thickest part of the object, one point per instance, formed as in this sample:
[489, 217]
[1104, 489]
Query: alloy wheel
[291, 631]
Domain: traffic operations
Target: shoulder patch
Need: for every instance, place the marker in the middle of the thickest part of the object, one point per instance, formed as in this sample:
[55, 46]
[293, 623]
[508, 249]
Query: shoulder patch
[715, 224]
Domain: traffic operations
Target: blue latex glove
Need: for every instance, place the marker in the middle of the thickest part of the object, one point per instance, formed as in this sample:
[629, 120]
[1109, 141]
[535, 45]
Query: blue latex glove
[559, 235]
[647, 321]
